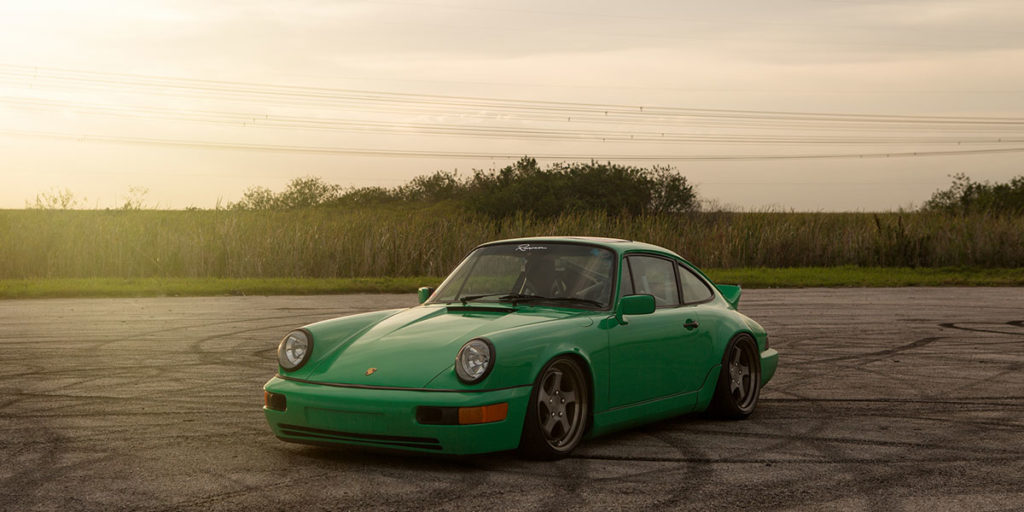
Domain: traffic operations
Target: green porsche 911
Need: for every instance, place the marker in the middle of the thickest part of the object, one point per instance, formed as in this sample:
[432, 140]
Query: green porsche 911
[531, 344]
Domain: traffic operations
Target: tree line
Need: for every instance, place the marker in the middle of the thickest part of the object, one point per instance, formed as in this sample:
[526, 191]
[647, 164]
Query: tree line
[521, 187]
[966, 196]
[526, 188]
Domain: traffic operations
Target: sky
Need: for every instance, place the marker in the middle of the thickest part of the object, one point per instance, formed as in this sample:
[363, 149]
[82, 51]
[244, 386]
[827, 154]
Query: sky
[807, 105]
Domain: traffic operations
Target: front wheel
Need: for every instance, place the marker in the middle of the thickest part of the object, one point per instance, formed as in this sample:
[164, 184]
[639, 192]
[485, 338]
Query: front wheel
[739, 383]
[559, 409]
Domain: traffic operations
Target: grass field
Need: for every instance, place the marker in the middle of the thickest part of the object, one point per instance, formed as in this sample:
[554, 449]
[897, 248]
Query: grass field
[747, 277]
[323, 243]
[200, 286]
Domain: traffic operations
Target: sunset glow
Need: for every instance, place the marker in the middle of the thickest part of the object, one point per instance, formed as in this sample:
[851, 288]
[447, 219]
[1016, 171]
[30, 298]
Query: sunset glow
[196, 102]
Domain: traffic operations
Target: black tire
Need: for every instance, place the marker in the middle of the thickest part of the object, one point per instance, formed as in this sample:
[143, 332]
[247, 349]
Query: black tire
[739, 382]
[558, 412]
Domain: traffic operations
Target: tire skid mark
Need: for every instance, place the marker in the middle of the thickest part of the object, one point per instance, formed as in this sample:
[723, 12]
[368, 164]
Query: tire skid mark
[906, 381]
[1012, 369]
[569, 480]
[140, 336]
[861, 477]
[107, 414]
[960, 326]
[219, 497]
[30, 478]
[964, 423]
[693, 475]
[861, 442]
[206, 325]
[170, 443]
[161, 368]
[815, 439]
[957, 401]
[830, 460]
[880, 353]
[229, 358]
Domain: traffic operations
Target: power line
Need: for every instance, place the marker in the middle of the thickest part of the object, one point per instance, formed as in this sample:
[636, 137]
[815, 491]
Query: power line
[491, 155]
[564, 121]
[363, 126]
[559, 120]
[266, 91]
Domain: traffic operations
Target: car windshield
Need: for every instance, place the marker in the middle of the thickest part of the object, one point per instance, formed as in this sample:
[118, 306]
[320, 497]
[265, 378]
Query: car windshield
[561, 274]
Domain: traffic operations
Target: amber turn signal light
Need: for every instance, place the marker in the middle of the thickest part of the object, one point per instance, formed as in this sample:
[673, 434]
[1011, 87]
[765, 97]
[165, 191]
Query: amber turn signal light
[274, 401]
[484, 414]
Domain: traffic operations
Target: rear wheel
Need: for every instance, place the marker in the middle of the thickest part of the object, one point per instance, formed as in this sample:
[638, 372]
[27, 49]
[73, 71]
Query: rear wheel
[739, 383]
[559, 409]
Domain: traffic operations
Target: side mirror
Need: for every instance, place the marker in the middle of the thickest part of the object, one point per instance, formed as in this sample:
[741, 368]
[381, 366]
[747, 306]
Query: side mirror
[424, 293]
[634, 305]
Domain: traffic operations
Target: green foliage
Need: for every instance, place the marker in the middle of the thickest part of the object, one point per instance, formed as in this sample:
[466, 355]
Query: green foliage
[967, 196]
[256, 198]
[593, 187]
[204, 286]
[440, 186]
[523, 187]
[56, 199]
[431, 240]
[304, 192]
[64, 199]
[307, 192]
[135, 199]
[867, 276]
[897, 246]
[747, 277]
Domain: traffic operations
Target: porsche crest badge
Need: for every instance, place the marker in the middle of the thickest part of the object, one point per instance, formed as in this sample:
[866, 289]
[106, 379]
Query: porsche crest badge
[369, 371]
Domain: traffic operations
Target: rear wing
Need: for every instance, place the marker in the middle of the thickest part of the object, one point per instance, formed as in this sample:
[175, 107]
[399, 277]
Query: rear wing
[731, 293]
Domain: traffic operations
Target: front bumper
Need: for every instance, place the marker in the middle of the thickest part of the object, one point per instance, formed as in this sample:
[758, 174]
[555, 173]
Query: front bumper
[386, 418]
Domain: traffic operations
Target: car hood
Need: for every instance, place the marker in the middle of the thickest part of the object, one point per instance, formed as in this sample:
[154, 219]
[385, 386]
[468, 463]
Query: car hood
[412, 347]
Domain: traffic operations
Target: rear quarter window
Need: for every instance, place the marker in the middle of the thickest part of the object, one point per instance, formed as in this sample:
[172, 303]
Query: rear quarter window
[694, 288]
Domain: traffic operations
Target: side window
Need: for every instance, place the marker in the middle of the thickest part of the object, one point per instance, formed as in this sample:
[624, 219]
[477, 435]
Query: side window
[627, 279]
[694, 289]
[657, 277]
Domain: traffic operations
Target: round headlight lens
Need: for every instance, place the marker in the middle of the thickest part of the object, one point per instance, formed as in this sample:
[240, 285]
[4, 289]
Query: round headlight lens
[294, 350]
[474, 361]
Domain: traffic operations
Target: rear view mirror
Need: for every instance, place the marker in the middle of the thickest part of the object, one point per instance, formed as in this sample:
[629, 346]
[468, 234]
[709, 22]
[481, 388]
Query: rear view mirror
[424, 293]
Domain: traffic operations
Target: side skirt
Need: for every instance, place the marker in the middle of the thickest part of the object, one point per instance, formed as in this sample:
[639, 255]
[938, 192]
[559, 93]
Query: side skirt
[649, 411]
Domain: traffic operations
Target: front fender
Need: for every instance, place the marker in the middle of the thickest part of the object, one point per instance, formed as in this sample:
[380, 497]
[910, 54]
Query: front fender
[328, 335]
[522, 352]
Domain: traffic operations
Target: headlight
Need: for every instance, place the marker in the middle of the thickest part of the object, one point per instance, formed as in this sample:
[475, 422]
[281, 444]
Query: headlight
[294, 350]
[475, 360]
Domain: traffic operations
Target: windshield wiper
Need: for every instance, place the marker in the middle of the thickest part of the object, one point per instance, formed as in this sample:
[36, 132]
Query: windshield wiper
[515, 298]
[554, 299]
[468, 298]
[504, 296]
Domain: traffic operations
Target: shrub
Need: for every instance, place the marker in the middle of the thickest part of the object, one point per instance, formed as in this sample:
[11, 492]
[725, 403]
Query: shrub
[967, 196]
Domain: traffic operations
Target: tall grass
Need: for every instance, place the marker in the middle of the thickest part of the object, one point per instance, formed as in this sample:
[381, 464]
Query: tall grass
[417, 242]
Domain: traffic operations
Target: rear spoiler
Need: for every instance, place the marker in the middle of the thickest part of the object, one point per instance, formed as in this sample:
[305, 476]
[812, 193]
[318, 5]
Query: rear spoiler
[731, 293]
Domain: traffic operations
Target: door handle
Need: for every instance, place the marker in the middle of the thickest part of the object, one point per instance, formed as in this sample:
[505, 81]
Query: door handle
[691, 324]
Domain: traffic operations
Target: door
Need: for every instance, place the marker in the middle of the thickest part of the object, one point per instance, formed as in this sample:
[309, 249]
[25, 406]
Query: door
[656, 355]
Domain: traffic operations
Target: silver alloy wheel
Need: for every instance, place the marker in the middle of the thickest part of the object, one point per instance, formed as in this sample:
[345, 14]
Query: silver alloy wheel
[561, 405]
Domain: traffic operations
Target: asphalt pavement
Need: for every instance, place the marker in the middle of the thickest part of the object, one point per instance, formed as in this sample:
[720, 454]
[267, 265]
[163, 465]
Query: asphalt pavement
[885, 399]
